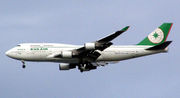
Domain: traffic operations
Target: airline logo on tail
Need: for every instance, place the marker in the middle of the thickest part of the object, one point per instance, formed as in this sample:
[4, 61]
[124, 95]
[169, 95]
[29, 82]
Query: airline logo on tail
[156, 36]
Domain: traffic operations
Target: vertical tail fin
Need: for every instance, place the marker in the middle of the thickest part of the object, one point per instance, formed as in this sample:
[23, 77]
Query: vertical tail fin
[158, 36]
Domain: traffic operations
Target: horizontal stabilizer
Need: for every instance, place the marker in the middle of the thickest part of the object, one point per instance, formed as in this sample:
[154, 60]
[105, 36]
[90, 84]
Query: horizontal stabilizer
[160, 46]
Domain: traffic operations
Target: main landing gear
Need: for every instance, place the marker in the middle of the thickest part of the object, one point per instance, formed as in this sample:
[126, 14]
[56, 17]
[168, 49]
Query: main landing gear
[23, 66]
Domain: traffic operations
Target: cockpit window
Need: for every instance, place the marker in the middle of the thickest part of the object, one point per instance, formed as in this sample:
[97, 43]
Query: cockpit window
[18, 45]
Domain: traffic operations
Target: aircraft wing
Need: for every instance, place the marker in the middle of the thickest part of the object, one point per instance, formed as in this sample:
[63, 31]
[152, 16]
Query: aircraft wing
[112, 36]
[91, 50]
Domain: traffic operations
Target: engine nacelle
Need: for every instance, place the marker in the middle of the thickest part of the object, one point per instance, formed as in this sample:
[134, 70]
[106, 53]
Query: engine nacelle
[66, 54]
[90, 46]
[66, 66]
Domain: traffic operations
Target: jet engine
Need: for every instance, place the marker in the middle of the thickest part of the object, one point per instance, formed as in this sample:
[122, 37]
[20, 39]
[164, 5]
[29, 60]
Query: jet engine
[66, 54]
[66, 66]
[90, 46]
[96, 45]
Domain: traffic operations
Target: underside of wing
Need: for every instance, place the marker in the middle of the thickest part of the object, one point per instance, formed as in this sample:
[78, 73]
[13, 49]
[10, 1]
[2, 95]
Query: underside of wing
[90, 49]
[113, 36]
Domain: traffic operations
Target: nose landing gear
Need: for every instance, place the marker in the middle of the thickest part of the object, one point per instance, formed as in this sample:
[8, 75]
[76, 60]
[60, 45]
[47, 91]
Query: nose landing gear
[23, 66]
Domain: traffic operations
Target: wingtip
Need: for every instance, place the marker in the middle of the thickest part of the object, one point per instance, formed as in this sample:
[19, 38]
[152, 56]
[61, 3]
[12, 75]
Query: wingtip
[125, 28]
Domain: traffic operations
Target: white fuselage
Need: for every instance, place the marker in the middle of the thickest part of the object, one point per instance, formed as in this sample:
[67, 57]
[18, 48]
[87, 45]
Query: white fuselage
[46, 51]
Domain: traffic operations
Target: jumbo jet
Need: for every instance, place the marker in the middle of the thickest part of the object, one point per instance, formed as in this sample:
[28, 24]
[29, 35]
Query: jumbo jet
[92, 54]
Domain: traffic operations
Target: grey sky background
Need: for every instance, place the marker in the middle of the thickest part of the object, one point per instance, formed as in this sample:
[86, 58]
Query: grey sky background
[80, 21]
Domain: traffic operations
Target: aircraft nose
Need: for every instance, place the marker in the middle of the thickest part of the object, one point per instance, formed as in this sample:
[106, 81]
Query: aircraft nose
[12, 54]
[8, 53]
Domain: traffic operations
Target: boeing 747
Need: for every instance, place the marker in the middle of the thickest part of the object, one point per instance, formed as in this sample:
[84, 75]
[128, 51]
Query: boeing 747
[93, 54]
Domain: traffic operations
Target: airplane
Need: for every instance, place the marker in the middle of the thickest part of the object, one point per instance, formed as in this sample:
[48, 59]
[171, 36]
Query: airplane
[92, 54]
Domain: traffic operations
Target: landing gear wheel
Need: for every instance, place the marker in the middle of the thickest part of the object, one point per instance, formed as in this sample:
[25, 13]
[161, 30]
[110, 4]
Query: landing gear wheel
[24, 66]
[81, 70]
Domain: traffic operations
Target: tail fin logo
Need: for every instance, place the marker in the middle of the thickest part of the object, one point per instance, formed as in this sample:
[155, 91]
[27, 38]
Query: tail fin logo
[156, 36]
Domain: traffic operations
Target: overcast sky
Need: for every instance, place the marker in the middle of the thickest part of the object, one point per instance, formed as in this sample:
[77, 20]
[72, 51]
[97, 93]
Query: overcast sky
[80, 21]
